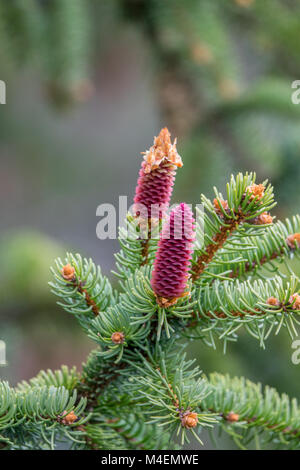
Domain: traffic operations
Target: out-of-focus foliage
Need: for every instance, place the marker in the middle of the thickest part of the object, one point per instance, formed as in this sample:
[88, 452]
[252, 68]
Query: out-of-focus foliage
[54, 37]
[222, 71]
[25, 259]
[222, 74]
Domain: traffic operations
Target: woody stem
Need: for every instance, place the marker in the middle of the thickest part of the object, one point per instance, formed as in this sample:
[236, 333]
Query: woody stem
[211, 249]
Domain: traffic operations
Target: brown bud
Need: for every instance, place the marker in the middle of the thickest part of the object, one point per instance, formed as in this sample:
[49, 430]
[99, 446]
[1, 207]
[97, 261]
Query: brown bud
[162, 302]
[273, 301]
[293, 241]
[224, 204]
[69, 418]
[264, 219]
[295, 300]
[232, 417]
[68, 272]
[118, 337]
[189, 420]
[256, 190]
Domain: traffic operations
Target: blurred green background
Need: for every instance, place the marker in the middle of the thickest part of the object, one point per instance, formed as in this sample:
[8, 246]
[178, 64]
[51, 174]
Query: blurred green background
[88, 85]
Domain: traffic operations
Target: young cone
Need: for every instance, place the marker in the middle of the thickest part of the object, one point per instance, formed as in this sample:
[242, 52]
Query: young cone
[173, 257]
[156, 176]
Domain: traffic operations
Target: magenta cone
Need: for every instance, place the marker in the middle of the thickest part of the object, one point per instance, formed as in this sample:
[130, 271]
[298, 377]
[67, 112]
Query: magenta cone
[173, 257]
[156, 176]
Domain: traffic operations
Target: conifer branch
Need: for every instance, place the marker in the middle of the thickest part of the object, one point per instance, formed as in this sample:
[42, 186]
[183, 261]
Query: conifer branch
[81, 287]
[244, 212]
[260, 307]
[217, 243]
[245, 407]
[51, 410]
[276, 244]
[138, 381]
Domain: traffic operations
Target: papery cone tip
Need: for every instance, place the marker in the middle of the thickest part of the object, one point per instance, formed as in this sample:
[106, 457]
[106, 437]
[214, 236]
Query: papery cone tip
[162, 150]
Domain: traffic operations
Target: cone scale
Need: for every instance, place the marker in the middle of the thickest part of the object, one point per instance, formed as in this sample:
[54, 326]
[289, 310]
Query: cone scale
[173, 258]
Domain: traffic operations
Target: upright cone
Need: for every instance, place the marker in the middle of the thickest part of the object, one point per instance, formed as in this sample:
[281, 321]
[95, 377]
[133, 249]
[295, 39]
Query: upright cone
[173, 257]
[157, 175]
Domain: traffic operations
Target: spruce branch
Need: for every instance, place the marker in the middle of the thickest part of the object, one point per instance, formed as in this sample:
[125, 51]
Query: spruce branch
[63, 377]
[133, 363]
[246, 203]
[8, 406]
[137, 388]
[170, 394]
[277, 244]
[135, 244]
[81, 287]
[248, 409]
[260, 307]
[113, 331]
[42, 413]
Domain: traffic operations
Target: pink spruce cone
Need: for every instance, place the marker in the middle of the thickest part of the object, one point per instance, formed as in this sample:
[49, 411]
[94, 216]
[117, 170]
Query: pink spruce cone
[173, 257]
[156, 176]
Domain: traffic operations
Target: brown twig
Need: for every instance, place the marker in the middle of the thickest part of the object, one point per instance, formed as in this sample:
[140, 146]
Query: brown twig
[218, 242]
[89, 301]
[264, 424]
[251, 266]
[68, 273]
[145, 252]
[145, 245]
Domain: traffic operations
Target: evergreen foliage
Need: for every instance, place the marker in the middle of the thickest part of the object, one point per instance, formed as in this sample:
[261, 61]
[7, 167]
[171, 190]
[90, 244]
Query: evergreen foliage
[137, 389]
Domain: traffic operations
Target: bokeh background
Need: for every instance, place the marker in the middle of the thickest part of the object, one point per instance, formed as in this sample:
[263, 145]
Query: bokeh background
[89, 83]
